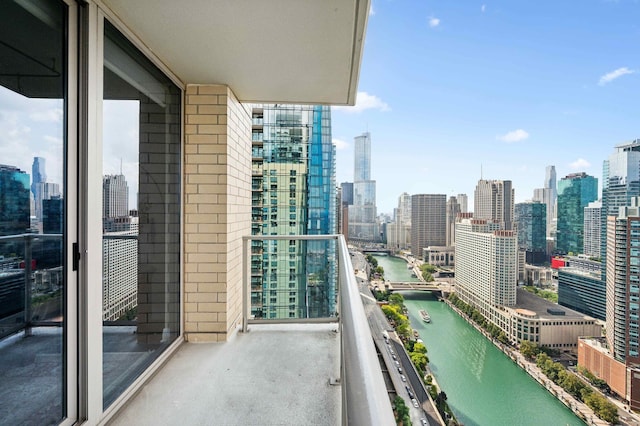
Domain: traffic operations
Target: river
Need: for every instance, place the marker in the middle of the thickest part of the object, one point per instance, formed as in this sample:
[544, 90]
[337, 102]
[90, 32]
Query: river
[483, 386]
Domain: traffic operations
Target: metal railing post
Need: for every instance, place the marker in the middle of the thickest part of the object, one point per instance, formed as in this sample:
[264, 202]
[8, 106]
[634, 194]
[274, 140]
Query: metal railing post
[246, 282]
[28, 247]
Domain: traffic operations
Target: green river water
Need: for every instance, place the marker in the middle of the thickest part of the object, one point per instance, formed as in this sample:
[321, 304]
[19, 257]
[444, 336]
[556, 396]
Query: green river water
[483, 386]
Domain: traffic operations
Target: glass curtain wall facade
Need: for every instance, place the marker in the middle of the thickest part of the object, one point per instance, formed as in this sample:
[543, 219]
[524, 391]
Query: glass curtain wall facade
[575, 192]
[293, 188]
[531, 220]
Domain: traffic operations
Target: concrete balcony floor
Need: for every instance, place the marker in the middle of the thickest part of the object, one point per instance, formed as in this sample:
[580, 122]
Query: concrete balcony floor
[272, 375]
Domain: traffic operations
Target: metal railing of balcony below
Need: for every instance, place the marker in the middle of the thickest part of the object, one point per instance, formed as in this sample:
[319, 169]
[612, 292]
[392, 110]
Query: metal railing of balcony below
[365, 400]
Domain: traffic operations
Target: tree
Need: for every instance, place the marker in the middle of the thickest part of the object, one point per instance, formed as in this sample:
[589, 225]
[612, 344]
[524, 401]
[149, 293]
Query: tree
[420, 348]
[419, 360]
[396, 299]
[427, 276]
[528, 349]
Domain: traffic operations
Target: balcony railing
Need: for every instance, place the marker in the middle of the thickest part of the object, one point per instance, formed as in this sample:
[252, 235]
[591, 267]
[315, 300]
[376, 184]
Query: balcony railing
[364, 394]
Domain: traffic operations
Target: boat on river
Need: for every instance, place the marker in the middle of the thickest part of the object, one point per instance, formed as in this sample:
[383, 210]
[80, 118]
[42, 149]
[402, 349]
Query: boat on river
[424, 315]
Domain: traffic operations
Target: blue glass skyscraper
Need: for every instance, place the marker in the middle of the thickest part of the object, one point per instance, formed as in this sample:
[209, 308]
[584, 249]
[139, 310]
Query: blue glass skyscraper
[575, 192]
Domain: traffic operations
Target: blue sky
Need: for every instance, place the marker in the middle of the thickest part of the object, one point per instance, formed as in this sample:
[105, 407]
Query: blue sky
[449, 87]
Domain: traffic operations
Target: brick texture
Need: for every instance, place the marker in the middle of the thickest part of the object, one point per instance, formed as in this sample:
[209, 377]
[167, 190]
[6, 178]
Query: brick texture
[217, 200]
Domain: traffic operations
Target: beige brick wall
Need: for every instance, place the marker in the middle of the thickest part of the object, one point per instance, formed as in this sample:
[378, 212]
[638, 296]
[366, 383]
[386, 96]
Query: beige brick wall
[217, 213]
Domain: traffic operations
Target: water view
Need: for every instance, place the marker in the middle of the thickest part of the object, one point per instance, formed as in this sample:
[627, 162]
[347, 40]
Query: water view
[483, 386]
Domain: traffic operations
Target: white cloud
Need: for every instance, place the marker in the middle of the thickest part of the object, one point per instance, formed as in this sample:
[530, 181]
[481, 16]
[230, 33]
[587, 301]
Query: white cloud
[340, 144]
[433, 21]
[609, 77]
[514, 136]
[364, 101]
[372, 11]
[579, 164]
[53, 115]
[483, 8]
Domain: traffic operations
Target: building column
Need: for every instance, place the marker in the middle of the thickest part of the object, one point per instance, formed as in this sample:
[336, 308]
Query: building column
[217, 210]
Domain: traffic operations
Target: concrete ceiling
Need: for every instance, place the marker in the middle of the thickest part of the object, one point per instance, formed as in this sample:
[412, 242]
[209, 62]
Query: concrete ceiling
[280, 51]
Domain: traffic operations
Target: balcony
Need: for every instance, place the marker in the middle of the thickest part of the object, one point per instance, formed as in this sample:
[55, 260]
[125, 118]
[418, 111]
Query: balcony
[321, 371]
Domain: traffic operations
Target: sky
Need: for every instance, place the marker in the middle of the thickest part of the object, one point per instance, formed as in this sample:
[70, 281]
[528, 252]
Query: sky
[452, 91]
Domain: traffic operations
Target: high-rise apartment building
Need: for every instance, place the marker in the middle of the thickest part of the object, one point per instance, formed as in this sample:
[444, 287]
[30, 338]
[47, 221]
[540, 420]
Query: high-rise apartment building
[494, 200]
[398, 231]
[293, 194]
[363, 225]
[453, 208]
[115, 196]
[623, 283]
[531, 220]
[620, 182]
[428, 222]
[14, 201]
[575, 192]
[592, 229]
[486, 262]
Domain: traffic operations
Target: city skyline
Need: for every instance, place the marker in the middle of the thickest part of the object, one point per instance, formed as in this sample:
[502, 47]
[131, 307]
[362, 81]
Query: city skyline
[447, 90]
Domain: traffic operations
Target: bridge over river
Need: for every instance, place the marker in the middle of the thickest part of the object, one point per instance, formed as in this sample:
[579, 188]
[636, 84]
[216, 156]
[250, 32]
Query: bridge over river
[414, 286]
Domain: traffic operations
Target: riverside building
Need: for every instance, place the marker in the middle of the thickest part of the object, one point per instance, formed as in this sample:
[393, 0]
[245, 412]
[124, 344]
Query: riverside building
[486, 269]
[363, 222]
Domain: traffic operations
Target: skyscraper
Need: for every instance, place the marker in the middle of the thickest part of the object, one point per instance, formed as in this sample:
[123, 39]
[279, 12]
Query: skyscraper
[463, 200]
[486, 263]
[548, 195]
[14, 201]
[399, 231]
[494, 200]
[592, 229]
[293, 194]
[362, 214]
[623, 283]
[38, 176]
[453, 208]
[428, 222]
[620, 182]
[575, 192]
[531, 219]
[115, 196]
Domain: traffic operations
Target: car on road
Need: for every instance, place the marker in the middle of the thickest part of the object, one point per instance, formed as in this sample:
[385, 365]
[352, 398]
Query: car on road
[400, 370]
[424, 422]
[404, 379]
[415, 403]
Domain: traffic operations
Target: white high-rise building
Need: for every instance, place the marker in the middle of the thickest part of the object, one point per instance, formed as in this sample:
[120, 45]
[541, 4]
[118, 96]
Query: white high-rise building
[549, 196]
[592, 229]
[120, 268]
[115, 196]
[494, 201]
[486, 262]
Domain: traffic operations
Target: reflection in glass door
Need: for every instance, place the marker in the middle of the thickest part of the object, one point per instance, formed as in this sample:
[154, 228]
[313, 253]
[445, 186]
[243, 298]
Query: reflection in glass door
[33, 211]
[140, 213]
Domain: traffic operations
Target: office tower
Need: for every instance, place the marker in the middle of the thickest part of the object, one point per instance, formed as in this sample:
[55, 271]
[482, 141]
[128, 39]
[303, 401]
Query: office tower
[404, 208]
[575, 192]
[581, 288]
[548, 196]
[428, 222]
[592, 229]
[486, 262]
[453, 208]
[399, 230]
[531, 220]
[38, 176]
[623, 283]
[463, 200]
[115, 196]
[363, 225]
[293, 191]
[494, 200]
[14, 201]
[620, 182]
